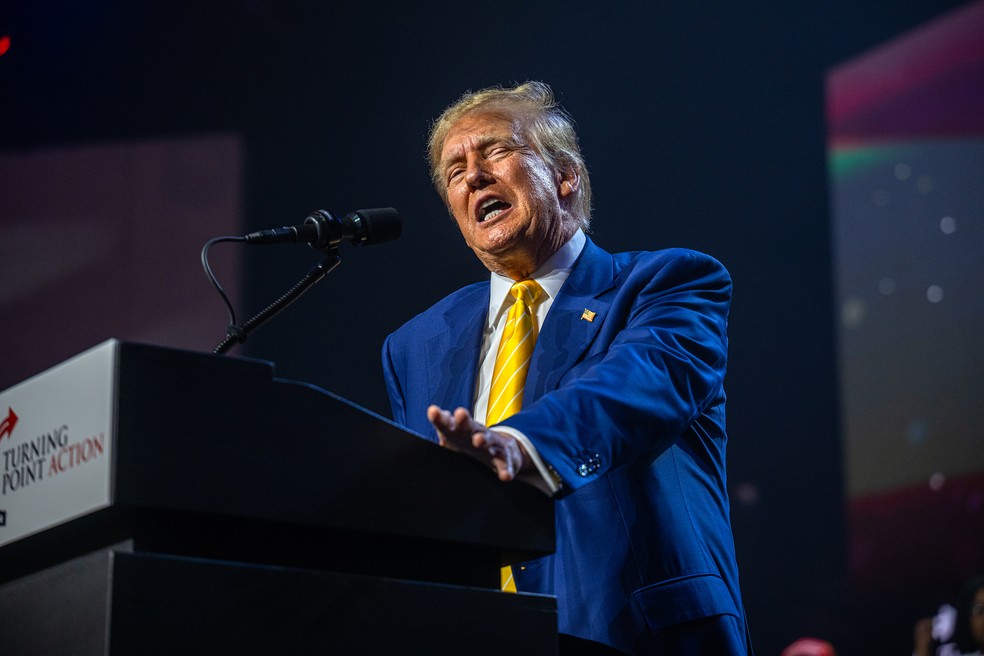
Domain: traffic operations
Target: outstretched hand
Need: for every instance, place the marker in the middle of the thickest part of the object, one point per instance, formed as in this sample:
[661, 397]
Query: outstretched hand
[459, 432]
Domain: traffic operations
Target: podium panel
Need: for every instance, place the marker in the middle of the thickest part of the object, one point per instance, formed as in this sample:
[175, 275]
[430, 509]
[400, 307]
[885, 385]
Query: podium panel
[126, 603]
[217, 502]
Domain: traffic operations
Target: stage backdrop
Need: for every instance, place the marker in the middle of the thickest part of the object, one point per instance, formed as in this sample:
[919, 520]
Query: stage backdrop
[907, 169]
[103, 240]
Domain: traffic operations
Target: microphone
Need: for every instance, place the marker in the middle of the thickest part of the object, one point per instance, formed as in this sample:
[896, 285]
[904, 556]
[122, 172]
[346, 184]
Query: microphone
[322, 230]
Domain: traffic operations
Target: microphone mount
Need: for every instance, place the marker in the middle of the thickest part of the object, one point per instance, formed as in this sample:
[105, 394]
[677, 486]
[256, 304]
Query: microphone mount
[322, 231]
[237, 334]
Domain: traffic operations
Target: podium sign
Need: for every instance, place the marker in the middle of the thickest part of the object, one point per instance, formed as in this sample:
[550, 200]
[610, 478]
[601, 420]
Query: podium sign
[56, 444]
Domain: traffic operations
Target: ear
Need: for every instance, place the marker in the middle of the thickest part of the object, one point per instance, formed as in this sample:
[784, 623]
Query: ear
[567, 183]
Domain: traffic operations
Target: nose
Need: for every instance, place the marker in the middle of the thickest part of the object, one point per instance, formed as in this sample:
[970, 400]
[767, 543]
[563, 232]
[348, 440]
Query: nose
[478, 175]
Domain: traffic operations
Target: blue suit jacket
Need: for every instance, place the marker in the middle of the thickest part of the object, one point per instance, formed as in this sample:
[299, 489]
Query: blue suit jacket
[629, 410]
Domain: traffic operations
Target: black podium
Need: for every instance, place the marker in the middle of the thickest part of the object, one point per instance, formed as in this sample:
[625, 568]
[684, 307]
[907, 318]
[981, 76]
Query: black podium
[252, 515]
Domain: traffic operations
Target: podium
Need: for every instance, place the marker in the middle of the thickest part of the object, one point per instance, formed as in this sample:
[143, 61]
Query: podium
[157, 501]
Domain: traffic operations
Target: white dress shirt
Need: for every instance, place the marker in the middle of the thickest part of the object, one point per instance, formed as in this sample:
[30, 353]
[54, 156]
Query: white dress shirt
[551, 276]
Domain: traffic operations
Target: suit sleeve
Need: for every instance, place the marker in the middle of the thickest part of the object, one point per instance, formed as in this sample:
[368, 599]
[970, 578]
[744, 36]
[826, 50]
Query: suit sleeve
[393, 388]
[656, 367]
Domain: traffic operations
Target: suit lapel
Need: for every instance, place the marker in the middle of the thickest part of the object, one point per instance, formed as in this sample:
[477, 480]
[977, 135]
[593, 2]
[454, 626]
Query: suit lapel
[568, 331]
[452, 353]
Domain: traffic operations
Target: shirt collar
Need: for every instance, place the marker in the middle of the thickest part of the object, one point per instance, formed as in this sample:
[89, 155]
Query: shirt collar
[551, 275]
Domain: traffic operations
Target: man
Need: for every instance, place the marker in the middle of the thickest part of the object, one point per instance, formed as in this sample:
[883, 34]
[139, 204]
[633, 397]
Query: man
[619, 409]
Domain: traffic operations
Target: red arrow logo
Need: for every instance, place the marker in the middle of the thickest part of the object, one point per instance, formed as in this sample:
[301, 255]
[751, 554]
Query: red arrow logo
[7, 427]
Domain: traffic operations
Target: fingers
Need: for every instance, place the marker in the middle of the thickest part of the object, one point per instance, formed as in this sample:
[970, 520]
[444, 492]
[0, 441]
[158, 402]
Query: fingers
[459, 432]
[434, 412]
[441, 420]
[503, 470]
[453, 429]
[462, 417]
[505, 454]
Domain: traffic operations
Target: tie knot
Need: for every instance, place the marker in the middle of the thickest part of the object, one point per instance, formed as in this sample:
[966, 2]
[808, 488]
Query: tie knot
[527, 291]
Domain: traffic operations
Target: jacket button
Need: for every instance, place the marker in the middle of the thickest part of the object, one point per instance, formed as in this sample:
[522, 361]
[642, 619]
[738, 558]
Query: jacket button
[591, 464]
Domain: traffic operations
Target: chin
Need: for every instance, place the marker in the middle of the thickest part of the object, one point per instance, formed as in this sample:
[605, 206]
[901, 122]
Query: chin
[499, 241]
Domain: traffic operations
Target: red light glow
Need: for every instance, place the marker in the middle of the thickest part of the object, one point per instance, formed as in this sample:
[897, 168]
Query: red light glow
[4, 45]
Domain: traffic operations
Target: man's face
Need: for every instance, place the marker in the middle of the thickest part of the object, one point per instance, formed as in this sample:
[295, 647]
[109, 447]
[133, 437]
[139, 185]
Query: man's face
[977, 617]
[504, 197]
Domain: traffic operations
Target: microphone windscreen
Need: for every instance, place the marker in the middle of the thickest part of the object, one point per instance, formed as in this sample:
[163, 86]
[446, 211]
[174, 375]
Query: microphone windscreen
[381, 224]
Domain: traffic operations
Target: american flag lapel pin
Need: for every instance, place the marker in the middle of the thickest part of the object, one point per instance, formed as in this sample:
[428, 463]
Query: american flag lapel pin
[588, 315]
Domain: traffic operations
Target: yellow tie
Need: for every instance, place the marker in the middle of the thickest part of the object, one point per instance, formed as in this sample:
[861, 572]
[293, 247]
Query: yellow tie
[511, 362]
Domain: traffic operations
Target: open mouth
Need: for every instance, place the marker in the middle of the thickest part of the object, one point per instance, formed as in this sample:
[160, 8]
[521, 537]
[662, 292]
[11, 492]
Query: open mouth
[491, 209]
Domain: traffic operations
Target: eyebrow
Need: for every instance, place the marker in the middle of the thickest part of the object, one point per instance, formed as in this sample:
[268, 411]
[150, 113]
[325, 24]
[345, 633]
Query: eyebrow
[481, 143]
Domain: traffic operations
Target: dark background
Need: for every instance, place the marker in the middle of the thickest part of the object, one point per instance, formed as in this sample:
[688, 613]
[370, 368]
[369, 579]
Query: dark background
[702, 125]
